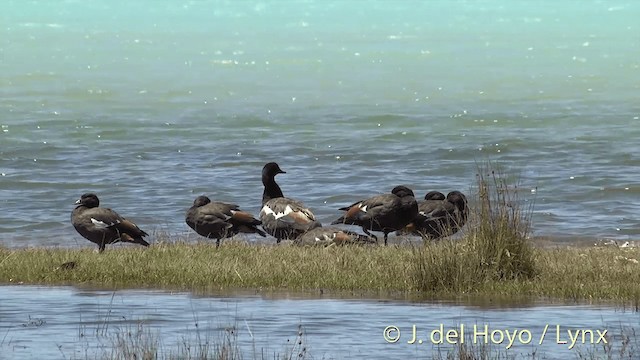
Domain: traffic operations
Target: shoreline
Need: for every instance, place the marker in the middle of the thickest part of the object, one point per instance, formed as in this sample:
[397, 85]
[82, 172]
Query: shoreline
[596, 274]
[160, 237]
[493, 256]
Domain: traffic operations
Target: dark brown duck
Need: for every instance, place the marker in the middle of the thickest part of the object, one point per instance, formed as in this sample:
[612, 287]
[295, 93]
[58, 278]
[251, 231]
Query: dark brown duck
[219, 220]
[439, 217]
[385, 213]
[104, 226]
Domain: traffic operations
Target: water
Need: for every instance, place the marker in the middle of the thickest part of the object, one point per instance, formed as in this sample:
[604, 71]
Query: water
[150, 105]
[41, 322]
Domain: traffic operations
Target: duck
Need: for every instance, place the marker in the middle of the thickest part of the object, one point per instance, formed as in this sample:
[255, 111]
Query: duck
[432, 199]
[282, 217]
[439, 216]
[219, 220]
[386, 212]
[104, 226]
[332, 235]
[434, 195]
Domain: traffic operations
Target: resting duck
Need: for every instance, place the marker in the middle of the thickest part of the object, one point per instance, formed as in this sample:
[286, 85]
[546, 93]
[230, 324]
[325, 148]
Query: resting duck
[385, 213]
[434, 195]
[431, 200]
[102, 225]
[281, 217]
[438, 216]
[325, 236]
[218, 220]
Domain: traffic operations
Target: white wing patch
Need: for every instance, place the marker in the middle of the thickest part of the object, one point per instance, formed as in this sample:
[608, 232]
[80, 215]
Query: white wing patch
[326, 237]
[363, 208]
[268, 211]
[101, 224]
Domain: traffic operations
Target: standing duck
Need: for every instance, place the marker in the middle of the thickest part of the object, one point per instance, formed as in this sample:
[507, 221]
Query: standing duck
[102, 225]
[218, 220]
[438, 216]
[281, 217]
[385, 213]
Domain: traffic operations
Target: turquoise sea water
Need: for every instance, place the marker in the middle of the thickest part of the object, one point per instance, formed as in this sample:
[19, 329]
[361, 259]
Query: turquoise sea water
[150, 104]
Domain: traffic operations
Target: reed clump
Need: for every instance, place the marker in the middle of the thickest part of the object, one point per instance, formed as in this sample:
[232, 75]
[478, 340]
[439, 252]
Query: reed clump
[141, 341]
[495, 246]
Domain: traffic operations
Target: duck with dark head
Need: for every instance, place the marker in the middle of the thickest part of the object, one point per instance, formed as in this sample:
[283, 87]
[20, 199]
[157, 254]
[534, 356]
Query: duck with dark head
[219, 220]
[282, 217]
[104, 226]
[385, 213]
[439, 216]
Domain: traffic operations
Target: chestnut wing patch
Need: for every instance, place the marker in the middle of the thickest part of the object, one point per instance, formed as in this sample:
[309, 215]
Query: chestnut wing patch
[244, 217]
[299, 217]
[129, 227]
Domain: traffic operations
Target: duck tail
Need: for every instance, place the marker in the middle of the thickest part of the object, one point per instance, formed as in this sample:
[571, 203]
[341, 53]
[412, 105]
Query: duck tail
[260, 232]
[141, 241]
[131, 239]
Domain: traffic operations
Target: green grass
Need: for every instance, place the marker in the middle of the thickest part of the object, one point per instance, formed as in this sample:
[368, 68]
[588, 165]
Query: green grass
[495, 248]
[448, 268]
[201, 266]
[493, 258]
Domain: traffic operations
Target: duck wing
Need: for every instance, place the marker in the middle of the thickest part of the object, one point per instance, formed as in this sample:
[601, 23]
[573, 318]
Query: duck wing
[210, 220]
[126, 230]
[243, 221]
[326, 236]
[288, 215]
[365, 210]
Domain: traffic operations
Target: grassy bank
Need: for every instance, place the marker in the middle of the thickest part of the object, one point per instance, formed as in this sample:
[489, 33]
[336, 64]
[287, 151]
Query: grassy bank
[493, 258]
[604, 273]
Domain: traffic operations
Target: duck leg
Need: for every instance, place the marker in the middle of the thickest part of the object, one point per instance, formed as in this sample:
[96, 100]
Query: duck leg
[385, 238]
[370, 234]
